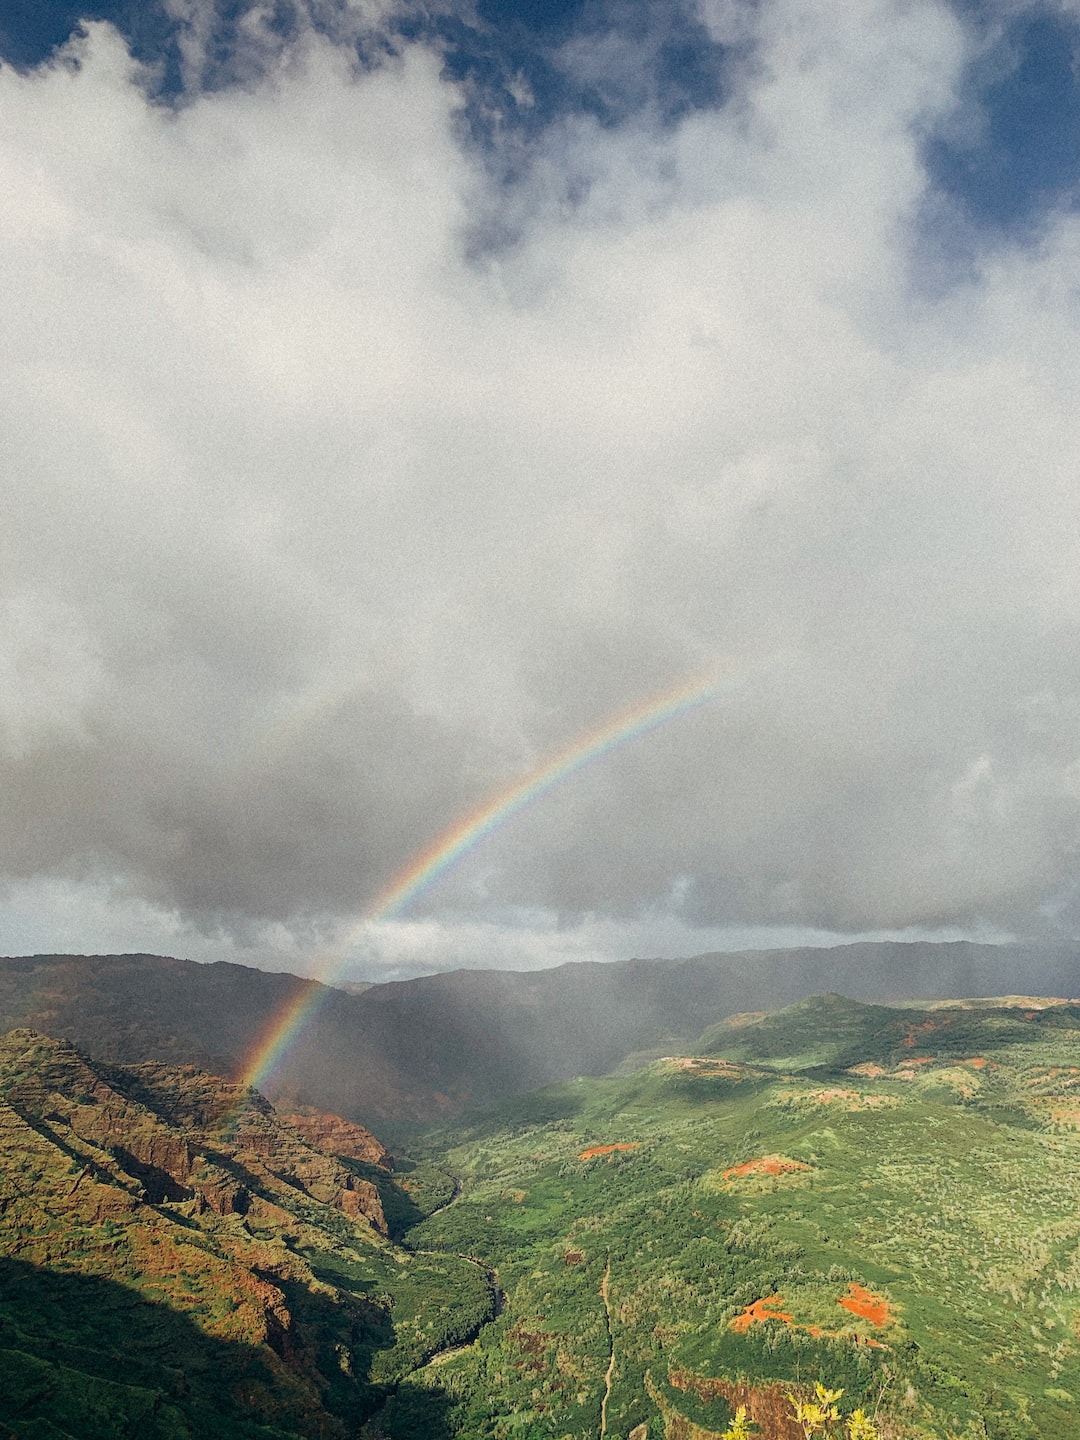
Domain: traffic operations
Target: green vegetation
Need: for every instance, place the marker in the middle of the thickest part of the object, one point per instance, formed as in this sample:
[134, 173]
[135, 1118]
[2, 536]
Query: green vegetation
[883, 1202]
[910, 1231]
[433, 1301]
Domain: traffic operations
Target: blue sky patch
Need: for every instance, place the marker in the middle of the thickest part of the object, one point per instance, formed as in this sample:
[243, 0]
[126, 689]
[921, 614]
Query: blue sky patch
[1008, 159]
[1021, 154]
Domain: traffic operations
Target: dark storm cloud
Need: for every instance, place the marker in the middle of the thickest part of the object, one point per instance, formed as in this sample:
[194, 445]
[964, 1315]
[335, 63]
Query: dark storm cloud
[327, 522]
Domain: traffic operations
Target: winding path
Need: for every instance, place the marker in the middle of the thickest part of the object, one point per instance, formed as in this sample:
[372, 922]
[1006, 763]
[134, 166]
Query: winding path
[610, 1371]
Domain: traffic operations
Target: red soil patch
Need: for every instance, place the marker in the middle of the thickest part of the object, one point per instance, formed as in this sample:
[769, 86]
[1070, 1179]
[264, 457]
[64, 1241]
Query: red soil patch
[867, 1306]
[765, 1165]
[607, 1149]
[977, 1063]
[860, 1302]
[760, 1311]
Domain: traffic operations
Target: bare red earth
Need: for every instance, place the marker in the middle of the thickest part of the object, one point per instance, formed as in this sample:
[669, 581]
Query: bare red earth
[607, 1149]
[765, 1165]
[866, 1305]
[760, 1311]
[859, 1301]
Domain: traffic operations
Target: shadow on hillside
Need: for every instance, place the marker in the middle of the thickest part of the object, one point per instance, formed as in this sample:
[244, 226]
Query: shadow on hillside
[86, 1358]
[707, 1089]
[416, 1412]
[398, 1206]
[515, 1112]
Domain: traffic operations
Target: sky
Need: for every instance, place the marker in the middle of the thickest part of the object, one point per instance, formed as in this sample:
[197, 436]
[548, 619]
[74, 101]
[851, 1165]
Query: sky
[396, 393]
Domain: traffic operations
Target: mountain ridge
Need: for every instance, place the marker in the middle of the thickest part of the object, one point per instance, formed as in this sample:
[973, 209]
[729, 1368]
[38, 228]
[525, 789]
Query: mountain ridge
[178, 1260]
[409, 1051]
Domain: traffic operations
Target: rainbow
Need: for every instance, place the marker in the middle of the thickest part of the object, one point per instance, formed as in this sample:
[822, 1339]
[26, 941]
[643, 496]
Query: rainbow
[426, 869]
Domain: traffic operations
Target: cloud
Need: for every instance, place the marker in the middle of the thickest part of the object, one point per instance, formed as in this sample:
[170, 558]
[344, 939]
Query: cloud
[330, 514]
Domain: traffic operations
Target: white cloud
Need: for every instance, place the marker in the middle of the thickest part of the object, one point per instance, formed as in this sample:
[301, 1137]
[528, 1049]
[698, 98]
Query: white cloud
[325, 526]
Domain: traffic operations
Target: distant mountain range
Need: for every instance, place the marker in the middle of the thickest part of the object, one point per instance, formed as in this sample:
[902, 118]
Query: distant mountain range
[414, 1050]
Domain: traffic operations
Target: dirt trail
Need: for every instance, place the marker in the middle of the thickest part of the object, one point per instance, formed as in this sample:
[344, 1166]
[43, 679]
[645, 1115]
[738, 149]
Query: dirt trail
[610, 1371]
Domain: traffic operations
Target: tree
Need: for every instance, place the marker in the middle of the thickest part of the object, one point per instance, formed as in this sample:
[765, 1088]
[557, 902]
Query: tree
[820, 1417]
[739, 1429]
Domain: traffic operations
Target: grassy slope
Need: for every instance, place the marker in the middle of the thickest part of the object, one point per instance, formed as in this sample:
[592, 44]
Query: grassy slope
[949, 1188]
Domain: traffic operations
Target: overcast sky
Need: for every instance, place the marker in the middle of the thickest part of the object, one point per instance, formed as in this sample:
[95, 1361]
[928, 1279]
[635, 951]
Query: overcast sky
[394, 393]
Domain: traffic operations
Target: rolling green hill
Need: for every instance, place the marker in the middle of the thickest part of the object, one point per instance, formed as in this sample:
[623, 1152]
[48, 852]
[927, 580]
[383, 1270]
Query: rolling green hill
[887, 1199]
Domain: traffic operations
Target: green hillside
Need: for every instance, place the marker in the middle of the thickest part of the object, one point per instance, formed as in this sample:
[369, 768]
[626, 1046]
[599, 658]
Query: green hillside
[884, 1199]
[887, 1199]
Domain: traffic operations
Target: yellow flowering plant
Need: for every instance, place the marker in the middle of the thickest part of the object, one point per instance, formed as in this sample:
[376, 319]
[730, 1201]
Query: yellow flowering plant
[819, 1417]
[740, 1427]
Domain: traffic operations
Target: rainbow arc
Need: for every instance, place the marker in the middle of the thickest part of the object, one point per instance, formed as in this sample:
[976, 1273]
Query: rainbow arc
[426, 869]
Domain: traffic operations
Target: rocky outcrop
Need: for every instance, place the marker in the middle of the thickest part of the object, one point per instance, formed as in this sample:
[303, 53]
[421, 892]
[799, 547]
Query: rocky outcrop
[171, 1195]
[335, 1136]
[158, 1135]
